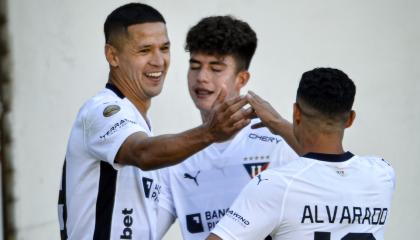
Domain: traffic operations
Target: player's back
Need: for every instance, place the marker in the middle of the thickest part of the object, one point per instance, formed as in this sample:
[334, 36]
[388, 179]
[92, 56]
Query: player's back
[333, 197]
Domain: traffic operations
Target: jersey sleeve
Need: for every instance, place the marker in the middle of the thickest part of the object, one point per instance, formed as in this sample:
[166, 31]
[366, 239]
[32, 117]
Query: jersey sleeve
[166, 200]
[256, 211]
[105, 134]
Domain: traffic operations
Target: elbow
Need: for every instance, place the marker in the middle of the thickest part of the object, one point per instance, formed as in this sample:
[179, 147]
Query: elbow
[145, 162]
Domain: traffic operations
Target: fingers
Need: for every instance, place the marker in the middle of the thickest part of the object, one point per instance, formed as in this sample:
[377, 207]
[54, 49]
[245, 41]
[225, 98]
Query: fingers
[240, 124]
[221, 97]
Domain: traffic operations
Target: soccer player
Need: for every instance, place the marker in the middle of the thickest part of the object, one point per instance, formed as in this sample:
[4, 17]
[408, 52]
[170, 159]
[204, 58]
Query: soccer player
[200, 190]
[109, 190]
[328, 193]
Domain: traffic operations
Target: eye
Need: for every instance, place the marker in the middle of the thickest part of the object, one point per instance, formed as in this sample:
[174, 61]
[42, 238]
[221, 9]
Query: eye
[195, 66]
[144, 50]
[165, 49]
[217, 69]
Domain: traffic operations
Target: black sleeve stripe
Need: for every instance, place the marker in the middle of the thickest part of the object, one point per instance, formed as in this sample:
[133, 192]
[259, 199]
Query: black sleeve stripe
[105, 201]
[62, 201]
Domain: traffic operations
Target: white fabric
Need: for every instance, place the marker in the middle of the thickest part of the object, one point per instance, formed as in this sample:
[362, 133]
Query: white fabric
[94, 142]
[308, 196]
[200, 190]
[166, 219]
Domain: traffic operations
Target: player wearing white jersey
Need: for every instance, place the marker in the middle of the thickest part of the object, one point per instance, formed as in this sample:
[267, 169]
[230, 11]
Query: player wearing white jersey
[108, 190]
[200, 190]
[106, 200]
[328, 194]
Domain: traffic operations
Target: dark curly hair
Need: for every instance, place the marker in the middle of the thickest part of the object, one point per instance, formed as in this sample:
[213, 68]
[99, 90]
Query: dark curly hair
[129, 14]
[223, 35]
[327, 90]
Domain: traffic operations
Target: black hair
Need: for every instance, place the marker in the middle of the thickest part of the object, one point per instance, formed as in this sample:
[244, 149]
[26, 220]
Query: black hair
[129, 14]
[223, 35]
[327, 90]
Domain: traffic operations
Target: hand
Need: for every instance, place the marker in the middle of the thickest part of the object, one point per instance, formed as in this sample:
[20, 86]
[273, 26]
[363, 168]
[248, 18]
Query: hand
[269, 117]
[227, 117]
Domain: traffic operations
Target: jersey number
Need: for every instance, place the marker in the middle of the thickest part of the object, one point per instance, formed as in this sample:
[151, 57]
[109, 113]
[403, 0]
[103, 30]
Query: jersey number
[349, 236]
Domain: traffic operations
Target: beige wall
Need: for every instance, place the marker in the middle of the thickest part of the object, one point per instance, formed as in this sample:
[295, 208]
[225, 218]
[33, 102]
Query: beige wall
[57, 59]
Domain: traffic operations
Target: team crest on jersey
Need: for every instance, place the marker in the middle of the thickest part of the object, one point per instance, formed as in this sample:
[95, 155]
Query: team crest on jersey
[111, 110]
[254, 169]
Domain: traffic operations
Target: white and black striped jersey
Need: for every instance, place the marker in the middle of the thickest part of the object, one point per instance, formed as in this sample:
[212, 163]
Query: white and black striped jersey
[200, 190]
[100, 199]
[317, 197]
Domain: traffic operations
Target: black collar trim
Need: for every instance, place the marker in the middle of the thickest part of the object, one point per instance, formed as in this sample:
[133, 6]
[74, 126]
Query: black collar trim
[113, 88]
[330, 157]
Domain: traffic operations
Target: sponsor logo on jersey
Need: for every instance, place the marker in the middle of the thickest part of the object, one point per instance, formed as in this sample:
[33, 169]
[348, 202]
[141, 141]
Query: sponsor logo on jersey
[238, 218]
[264, 138]
[189, 176]
[111, 110]
[260, 179]
[117, 126]
[127, 221]
[254, 169]
[207, 220]
[194, 223]
[344, 215]
[151, 191]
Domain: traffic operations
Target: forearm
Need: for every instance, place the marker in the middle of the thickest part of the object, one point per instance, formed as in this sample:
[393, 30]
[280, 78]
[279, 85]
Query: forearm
[284, 128]
[150, 153]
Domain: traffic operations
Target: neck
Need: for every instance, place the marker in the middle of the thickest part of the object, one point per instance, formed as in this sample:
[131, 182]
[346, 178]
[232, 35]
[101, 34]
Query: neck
[322, 143]
[125, 86]
[204, 116]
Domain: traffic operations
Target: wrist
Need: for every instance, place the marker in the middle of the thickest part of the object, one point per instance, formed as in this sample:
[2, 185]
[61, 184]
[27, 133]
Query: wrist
[205, 134]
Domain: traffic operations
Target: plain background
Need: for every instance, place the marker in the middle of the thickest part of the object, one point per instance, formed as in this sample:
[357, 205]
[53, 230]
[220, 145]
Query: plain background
[57, 62]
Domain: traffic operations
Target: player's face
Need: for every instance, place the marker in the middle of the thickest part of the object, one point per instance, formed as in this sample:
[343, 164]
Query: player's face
[143, 58]
[208, 73]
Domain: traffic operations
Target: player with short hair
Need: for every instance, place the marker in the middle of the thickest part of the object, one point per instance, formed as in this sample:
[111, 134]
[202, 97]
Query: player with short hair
[200, 190]
[109, 190]
[328, 193]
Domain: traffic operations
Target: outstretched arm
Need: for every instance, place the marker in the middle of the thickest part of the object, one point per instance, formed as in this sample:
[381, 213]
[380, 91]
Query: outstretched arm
[271, 119]
[148, 153]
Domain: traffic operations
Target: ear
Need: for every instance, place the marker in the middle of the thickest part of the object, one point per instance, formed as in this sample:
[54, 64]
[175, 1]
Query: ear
[111, 55]
[242, 79]
[350, 119]
[297, 114]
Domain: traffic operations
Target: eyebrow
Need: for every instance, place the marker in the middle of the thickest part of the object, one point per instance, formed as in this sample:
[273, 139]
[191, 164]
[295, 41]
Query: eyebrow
[192, 60]
[168, 43]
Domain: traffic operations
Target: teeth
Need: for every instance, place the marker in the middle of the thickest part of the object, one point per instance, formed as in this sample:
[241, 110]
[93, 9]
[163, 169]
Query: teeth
[154, 74]
[203, 92]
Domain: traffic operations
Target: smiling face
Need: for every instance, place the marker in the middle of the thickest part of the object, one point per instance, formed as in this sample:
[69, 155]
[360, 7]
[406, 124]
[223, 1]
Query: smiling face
[141, 59]
[207, 75]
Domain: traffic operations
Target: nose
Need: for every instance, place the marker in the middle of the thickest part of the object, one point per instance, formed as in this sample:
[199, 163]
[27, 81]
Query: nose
[202, 76]
[157, 59]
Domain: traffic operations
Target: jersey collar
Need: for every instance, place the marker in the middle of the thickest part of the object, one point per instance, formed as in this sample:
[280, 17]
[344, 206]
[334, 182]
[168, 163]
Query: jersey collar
[329, 157]
[113, 88]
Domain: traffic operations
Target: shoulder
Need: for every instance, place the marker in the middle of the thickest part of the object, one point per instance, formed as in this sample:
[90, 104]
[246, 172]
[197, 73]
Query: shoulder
[105, 105]
[378, 166]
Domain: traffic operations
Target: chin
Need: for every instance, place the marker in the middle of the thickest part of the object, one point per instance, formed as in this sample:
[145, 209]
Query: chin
[202, 107]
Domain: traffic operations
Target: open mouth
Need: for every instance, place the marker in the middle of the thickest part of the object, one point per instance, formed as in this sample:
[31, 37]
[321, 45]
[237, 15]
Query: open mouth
[202, 93]
[155, 75]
